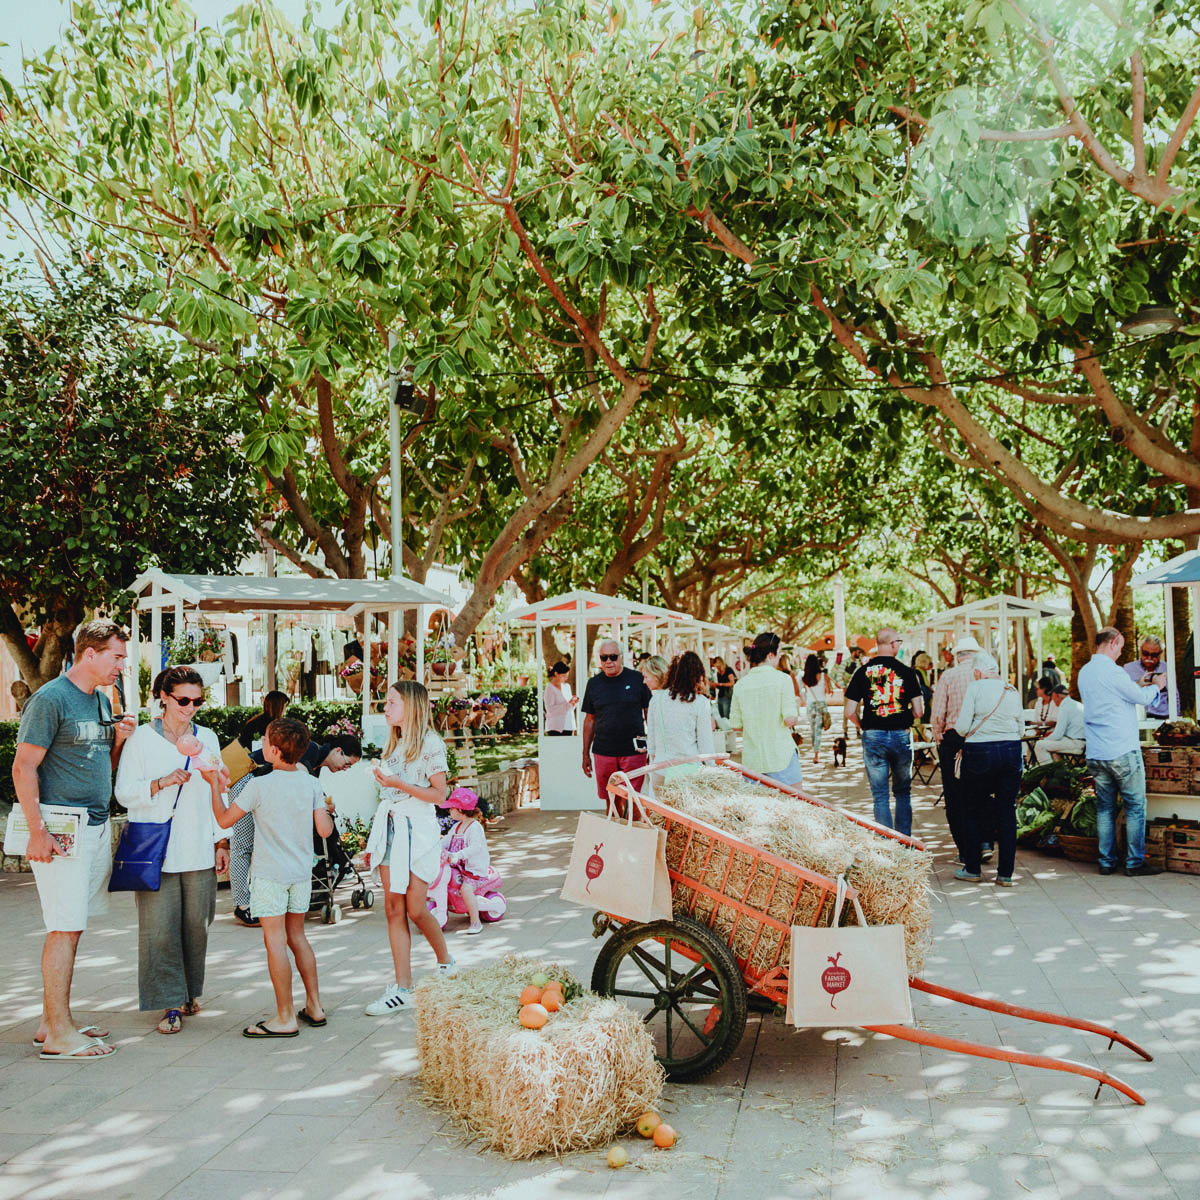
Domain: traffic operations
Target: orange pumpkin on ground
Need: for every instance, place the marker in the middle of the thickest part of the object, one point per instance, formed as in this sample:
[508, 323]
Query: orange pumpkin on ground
[664, 1136]
[534, 1016]
[552, 1001]
[531, 995]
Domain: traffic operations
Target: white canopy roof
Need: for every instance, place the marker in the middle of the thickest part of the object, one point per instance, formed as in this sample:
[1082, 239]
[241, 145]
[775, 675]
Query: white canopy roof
[593, 607]
[986, 612]
[285, 594]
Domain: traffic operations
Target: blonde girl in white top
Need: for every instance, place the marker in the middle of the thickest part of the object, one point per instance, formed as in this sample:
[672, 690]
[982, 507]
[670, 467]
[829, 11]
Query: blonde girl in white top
[405, 842]
[160, 774]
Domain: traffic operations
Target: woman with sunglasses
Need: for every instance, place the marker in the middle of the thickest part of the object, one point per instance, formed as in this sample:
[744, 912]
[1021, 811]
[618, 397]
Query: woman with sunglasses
[157, 777]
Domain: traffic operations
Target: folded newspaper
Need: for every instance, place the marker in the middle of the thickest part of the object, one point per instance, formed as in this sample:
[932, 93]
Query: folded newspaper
[63, 821]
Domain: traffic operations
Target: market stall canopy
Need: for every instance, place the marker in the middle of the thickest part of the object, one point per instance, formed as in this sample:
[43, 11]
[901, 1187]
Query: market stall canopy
[1181, 570]
[996, 614]
[287, 594]
[985, 612]
[593, 607]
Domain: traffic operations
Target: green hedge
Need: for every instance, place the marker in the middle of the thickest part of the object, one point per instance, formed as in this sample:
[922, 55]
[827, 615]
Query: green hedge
[8, 751]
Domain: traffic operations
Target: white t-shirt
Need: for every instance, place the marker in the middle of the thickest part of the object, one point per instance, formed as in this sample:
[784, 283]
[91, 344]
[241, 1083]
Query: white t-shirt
[148, 756]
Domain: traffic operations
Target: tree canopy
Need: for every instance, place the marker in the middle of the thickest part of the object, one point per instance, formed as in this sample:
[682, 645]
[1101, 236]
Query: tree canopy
[115, 453]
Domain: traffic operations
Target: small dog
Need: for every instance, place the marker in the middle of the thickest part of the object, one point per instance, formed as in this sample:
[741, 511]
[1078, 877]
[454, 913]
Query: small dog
[839, 751]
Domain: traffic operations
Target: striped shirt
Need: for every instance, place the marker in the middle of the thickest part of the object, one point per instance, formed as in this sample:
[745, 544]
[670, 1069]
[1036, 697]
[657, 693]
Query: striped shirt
[948, 698]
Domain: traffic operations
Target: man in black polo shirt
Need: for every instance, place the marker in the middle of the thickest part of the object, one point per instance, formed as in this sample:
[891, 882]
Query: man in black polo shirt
[614, 714]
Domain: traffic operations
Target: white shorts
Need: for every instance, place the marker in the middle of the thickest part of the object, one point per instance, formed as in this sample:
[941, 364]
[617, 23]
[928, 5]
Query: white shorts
[73, 889]
[271, 899]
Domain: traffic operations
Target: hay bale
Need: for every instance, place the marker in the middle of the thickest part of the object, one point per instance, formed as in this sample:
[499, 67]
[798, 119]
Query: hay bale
[576, 1083]
[892, 879]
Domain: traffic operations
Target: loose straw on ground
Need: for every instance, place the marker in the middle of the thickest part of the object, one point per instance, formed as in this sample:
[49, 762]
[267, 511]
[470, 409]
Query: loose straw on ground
[583, 1078]
[892, 879]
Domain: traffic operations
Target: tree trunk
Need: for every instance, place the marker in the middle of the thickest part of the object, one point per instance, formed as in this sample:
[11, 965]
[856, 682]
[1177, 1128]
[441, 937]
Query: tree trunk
[1123, 620]
[1181, 615]
[1082, 640]
[42, 662]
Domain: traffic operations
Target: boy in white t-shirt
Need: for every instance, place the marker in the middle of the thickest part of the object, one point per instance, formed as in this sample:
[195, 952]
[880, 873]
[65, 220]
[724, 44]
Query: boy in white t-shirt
[286, 805]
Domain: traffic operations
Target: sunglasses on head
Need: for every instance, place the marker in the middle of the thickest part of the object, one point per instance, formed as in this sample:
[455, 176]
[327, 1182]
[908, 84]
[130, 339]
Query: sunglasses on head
[609, 657]
[186, 701]
[104, 721]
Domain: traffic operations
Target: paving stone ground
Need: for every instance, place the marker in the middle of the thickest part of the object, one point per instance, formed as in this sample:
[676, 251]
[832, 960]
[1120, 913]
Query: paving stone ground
[836, 1115]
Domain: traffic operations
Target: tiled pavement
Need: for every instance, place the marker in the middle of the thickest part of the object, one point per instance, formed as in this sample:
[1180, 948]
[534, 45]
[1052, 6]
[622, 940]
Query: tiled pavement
[840, 1115]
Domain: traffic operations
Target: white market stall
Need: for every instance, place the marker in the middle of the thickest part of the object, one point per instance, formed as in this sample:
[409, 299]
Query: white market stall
[560, 760]
[207, 596]
[990, 622]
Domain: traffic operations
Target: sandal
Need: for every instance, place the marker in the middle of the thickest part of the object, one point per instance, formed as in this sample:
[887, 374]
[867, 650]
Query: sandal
[88, 1031]
[85, 1053]
[172, 1021]
[191, 1008]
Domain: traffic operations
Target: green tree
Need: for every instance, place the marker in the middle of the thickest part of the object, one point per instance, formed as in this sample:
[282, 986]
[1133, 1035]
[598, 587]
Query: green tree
[115, 453]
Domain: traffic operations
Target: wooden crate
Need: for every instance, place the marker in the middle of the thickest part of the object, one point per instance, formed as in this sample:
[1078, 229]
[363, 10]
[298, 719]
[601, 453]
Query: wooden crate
[1183, 866]
[1156, 844]
[1183, 836]
[1080, 849]
[1170, 778]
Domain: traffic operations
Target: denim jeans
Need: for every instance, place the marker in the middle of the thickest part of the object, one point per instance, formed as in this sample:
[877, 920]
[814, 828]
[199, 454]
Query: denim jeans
[791, 775]
[889, 752]
[1125, 776]
[991, 777]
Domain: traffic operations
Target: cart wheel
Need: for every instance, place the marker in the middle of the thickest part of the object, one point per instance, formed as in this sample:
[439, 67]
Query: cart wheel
[356, 898]
[327, 913]
[685, 981]
[369, 898]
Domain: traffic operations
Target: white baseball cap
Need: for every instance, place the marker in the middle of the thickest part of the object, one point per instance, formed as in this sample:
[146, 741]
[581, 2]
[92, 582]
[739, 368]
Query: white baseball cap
[965, 644]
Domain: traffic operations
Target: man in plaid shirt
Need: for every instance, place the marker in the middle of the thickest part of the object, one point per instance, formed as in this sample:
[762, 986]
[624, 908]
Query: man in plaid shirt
[947, 702]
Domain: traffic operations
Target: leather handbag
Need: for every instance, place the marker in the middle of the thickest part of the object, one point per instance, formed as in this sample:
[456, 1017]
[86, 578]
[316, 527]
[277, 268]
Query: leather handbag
[142, 847]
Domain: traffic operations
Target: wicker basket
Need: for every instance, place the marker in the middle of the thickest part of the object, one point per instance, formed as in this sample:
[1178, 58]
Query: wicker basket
[1080, 849]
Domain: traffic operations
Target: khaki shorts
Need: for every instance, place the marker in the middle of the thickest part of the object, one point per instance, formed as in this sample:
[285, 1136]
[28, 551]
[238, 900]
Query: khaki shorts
[271, 899]
[73, 889]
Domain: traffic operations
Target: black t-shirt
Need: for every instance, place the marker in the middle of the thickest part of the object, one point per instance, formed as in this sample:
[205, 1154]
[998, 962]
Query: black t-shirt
[727, 676]
[618, 706]
[884, 688]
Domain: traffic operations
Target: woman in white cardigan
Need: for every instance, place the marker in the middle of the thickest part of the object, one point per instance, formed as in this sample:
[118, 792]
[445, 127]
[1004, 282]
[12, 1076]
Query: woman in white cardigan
[991, 720]
[159, 776]
[679, 720]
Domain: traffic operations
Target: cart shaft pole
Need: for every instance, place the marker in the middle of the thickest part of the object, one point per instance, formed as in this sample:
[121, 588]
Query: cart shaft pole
[958, 1046]
[1026, 1014]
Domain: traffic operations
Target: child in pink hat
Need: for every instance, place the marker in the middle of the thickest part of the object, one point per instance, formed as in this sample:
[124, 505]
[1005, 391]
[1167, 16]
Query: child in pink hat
[466, 850]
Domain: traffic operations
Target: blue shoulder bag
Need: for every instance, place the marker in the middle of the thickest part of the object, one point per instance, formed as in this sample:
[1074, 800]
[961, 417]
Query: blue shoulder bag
[141, 848]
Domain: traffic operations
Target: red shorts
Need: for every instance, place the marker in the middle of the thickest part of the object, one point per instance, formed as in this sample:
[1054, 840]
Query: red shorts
[603, 765]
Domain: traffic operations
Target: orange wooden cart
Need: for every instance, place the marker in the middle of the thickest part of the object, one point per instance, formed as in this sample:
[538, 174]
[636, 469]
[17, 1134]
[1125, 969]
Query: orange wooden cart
[695, 982]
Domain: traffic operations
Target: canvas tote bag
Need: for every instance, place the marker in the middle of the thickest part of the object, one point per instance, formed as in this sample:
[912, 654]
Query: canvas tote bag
[848, 975]
[619, 865]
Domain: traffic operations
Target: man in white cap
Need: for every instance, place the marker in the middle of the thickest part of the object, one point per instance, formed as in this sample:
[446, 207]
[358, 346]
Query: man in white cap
[946, 705]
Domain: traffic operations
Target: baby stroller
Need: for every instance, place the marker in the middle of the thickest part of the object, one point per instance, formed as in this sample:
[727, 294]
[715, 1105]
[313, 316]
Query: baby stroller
[331, 867]
[445, 897]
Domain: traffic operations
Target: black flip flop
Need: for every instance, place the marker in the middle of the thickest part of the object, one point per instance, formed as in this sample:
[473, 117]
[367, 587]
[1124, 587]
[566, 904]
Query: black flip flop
[302, 1015]
[264, 1032]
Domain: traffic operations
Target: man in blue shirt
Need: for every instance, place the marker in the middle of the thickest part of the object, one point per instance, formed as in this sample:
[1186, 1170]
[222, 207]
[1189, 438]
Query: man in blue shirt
[1110, 699]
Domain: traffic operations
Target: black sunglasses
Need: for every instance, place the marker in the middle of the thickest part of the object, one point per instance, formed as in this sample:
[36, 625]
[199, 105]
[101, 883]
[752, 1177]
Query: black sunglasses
[609, 657]
[104, 721]
[186, 701]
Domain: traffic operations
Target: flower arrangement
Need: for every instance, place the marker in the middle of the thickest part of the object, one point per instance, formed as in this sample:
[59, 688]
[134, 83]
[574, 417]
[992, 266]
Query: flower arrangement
[354, 836]
[350, 670]
[346, 727]
[204, 646]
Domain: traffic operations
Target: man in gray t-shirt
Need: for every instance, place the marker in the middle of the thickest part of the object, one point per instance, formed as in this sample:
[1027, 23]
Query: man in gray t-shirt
[67, 749]
[75, 729]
